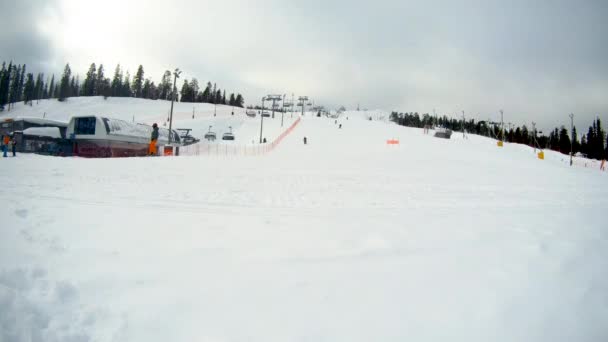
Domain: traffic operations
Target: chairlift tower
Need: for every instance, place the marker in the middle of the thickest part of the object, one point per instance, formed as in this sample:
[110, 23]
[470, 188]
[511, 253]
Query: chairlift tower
[274, 99]
[283, 110]
[572, 135]
[303, 100]
[176, 73]
[262, 119]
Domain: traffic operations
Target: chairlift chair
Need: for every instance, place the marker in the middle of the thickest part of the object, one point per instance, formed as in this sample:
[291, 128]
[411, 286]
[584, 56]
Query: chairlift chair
[228, 135]
[185, 137]
[442, 132]
[211, 136]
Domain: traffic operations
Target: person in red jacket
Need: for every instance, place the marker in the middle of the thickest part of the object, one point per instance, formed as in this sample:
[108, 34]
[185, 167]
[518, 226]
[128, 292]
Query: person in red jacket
[5, 141]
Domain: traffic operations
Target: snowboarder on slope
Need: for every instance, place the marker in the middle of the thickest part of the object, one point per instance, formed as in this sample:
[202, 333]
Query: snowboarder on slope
[153, 140]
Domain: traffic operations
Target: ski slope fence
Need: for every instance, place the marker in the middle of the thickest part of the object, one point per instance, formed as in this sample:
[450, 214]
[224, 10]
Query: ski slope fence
[206, 149]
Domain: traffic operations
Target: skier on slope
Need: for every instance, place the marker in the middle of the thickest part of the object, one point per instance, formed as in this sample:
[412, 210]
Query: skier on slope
[153, 140]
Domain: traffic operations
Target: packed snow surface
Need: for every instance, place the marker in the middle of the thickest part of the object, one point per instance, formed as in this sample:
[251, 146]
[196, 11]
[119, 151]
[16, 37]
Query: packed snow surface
[342, 239]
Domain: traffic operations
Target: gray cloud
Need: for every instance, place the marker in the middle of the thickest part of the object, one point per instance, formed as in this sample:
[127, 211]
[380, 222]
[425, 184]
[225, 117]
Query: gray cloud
[22, 39]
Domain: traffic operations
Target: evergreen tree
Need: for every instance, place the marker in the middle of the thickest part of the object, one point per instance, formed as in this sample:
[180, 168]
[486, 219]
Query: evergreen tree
[14, 91]
[589, 141]
[584, 149]
[45, 89]
[576, 147]
[525, 135]
[64, 86]
[600, 139]
[117, 82]
[38, 87]
[595, 140]
[564, 141]
[90, 81]
[224, 97]
[72, 92]
[239, 102]
[145, 90]
[194, 90]
[232, 100]
[517, 136]
[185, 92]
[77, 87]
[606, 150]
[29, 89]
[206, 96]
[100, 83]
[126, 87]
[165, 86]
[51, 93]
[138, 82]
[153, 95]
[21, 84]
[104, 87]
[4, 84]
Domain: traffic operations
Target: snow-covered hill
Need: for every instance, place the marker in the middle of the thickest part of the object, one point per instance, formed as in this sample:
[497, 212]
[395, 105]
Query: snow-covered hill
[342, 239]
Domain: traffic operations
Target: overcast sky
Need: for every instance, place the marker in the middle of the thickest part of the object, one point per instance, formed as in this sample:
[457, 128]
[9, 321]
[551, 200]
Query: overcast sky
[536, 60]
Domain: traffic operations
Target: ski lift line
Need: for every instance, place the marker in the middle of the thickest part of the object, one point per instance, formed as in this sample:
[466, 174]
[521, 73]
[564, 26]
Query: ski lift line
[236, 150]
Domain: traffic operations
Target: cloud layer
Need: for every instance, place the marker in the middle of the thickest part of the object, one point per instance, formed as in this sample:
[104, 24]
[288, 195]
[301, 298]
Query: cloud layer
[538, 61]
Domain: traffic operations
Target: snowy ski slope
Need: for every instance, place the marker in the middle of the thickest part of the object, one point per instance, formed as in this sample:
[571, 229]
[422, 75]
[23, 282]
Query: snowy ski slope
[342, 239]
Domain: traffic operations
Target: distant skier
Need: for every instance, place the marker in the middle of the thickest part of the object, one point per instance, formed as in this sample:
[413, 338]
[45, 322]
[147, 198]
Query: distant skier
[340, 126]
[153, 140]
[14, 146]
[264, 141]
[305, 140]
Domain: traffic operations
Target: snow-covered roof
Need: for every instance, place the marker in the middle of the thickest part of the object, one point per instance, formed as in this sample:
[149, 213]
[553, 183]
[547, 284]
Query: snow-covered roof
[39, 121]
[125, 128]
[51, 132]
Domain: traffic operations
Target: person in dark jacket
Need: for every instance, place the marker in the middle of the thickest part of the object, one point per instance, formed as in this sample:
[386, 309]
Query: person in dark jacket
[14, 146]
[153, 140]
